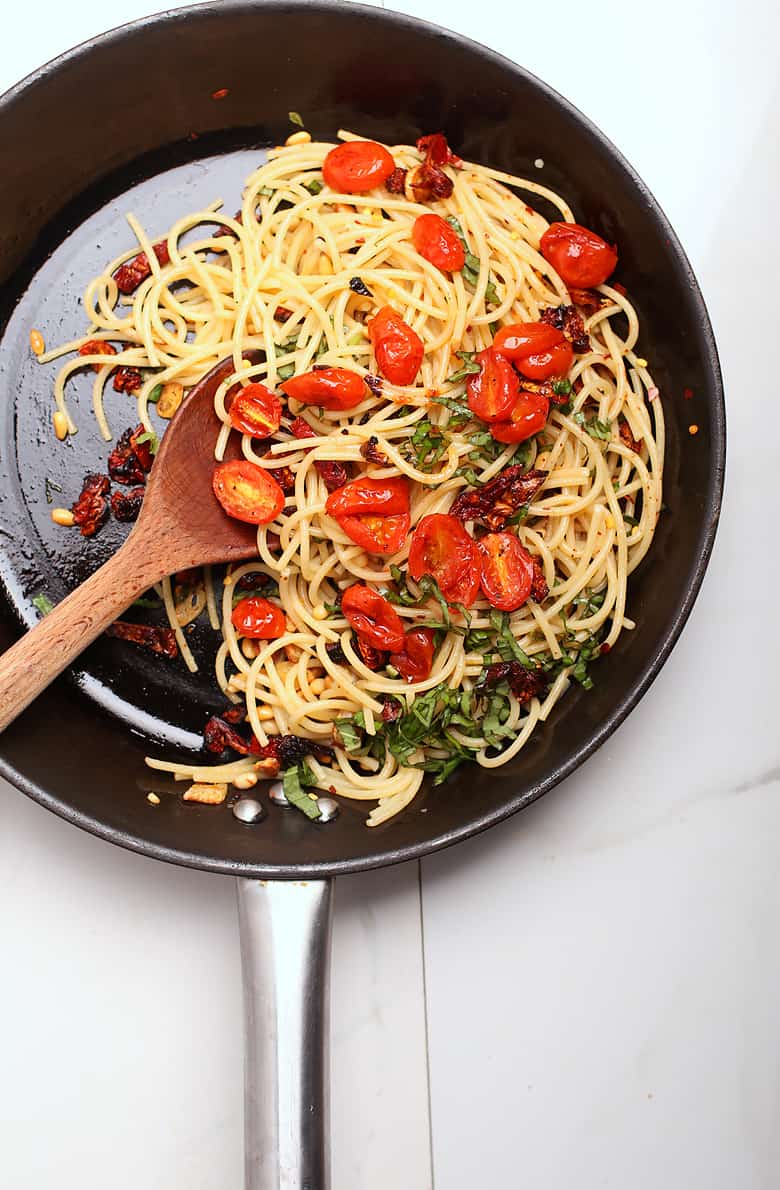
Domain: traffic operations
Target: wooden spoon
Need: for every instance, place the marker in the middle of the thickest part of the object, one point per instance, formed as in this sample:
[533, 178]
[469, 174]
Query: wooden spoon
[181, 524]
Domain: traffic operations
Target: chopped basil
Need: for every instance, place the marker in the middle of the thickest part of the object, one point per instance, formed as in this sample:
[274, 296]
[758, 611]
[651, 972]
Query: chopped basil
[285, 372]
[426, 445]
[506, 646]
[154, 395]
[49, 487]
[294, 781]
[589, 601]
[150, 437]
[350, 734]
[473, 265]
[266, 192]
[630, 520]
[42, 604]
[470, 367]
[150, 601]
[594, 427]
[295, 118]
[561, 388]
[314, 185]
[470, 476]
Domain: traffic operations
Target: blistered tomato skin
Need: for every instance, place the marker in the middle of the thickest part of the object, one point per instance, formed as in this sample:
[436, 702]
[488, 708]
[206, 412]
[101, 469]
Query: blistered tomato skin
[398, 349]
[538, 351]
[357, 166]
[442, 548]
[374, 619]
[258, 618]
[247, 492]
[256, 410]
[580, 257]
[438, 243]
[331, 388]
[527, 418]
[507, 571]
[493, 391]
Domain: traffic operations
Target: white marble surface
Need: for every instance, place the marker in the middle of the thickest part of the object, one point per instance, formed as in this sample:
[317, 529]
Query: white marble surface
[600, 976]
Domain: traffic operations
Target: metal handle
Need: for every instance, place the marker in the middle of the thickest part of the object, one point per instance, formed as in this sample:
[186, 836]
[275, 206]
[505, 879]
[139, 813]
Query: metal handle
[285, 956]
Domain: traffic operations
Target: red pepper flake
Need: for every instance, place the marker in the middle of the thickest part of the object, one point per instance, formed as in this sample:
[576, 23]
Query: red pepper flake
[621, 289]
[97, 347]
[90, 511]
[687, 394]
[391, 709]
[127, 380]
[605, 648]
[193, 136]
[694, 429]
[281, 314]
[222, 93]
[157, 640]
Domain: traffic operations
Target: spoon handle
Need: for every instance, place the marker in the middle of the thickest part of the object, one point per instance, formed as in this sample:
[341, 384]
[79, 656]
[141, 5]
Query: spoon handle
[46, 650]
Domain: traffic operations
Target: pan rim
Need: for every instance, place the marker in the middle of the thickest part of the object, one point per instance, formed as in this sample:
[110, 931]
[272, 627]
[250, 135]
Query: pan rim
[380, 857]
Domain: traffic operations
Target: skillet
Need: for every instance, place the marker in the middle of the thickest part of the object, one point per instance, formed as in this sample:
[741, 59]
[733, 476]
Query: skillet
[126, 131]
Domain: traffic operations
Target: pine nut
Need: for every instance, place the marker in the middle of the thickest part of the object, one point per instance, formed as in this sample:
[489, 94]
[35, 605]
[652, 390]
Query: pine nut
[319, 612]
[170, 399]
[250, 648]
[317, 686]
[245, 780]
[36, 342]
[60, 423]
[62, 516]
[298, 138]
[265, 713]
[153, 799]
[209, 795]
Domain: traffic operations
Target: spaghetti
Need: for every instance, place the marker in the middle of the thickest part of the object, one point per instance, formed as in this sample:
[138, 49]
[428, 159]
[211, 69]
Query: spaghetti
[298, 275]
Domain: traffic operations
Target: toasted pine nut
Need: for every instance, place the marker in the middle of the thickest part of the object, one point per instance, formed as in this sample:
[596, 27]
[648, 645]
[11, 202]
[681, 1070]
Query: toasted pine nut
[170, 399]
[324, 267]
[153, 799]
[298, 138]
[317, 686]
[62, 516]
[36, 342]
[609, 521]
[60, 423]
[292, 652]
[319, 612]
[250, 648]
[265, 713]
[209, 795]
[245, 780]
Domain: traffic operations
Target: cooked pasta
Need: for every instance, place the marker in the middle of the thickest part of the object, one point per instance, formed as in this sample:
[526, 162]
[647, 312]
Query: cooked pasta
[299, 275]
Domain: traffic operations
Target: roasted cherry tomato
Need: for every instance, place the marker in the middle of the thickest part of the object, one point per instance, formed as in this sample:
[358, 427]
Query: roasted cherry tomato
[493, 391]
[579, 256]
[332, 388]
[415, 660]
[247, 492]
[526, 419]
[373, 618]
[442, 548]
[434, 239]
[398, 349]
[357, 165]
[258, 618]
[383, 497]
[256, 410]
[373, 512]
[507, 571]
[382, 535]
[537, 349]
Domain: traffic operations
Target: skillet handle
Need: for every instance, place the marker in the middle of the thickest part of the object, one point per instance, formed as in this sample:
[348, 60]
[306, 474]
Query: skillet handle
[285, 932]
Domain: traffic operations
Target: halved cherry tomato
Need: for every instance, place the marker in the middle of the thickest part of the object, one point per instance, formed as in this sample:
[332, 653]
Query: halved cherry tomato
[332, 388]
[415, 661]
[434, 239]
[247, 492]
[493, 391]
[537, 349]
[382, 535]
[258, 618]
[578, 255]
[507, 571]
[373, 512]
[383, 497]
[356, 166]
[373, 618]
[442, 548]
[256, 411]
[527, 418]
[398, 349]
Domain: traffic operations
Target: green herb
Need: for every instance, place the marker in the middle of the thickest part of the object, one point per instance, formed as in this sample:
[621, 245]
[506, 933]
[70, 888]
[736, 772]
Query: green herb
[630, 520]
[470, 367]
[350, 733]
[154, 395]
[478, 640]
[429, 589]
[594, 427]
[426, 445]
[561, 388]
[470, 476]
[460, 412]
[294, 781]
[493, 725]
[314, 185]
[295, 118]
[285, 372]
[322, 347]
[150, 601]
[267, 590]
[266, 192]
[590, 601]
[473, 265]
[49, 487]
[42, 604]
[506, 646]
[150, 437]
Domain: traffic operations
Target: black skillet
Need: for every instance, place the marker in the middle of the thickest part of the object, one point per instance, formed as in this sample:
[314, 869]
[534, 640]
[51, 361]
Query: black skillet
[134, 121]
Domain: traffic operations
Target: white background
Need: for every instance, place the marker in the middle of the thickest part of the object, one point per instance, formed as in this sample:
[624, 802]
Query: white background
[593, 987]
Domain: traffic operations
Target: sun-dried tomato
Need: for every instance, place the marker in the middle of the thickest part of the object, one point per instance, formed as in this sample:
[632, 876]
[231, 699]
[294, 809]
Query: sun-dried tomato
[127, 380]
[427, 181]
[494, 503]
[97, 347]
[333, 473]
[218, 736]
[291, 749]
[372, 454]
[397, 181]
[627, 438]
[372, 658]
[282, 314]
[130, 275]
[224, 230]
[437, 151]
[524, 683]
[539, 588]
[234, 714]
[587, 299]
[90, 511]
[142, 450]
[567, 320]
[157, 640]
[284, 476]
[253, 580]
[391, 709]
[127, 505]
[336, 653]
[124, 465]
